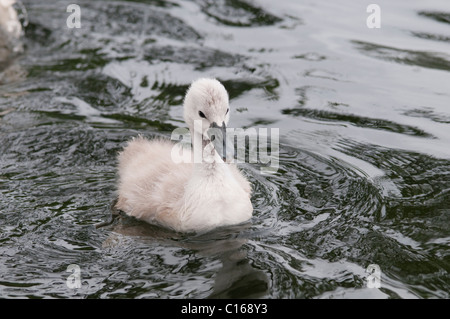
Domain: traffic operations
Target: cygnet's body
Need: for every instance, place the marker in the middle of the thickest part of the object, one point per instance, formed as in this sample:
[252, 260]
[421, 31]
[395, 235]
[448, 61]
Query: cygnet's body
[186, 196]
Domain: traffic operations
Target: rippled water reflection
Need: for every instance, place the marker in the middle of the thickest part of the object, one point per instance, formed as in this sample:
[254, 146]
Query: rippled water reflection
[364, 157]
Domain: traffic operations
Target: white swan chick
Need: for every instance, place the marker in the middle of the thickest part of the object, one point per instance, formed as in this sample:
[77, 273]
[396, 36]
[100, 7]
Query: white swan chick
[191, 195]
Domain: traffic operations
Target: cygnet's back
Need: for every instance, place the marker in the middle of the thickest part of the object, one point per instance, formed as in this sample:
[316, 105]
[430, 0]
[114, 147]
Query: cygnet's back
[151, 185]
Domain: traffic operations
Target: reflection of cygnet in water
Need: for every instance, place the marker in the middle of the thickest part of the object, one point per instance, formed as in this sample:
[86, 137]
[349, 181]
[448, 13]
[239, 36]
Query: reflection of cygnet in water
[235, 279]
[238, 279]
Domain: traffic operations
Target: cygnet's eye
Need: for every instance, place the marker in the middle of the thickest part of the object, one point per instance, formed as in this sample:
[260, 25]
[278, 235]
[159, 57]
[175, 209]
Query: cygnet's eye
[228, 109]
[201, 114]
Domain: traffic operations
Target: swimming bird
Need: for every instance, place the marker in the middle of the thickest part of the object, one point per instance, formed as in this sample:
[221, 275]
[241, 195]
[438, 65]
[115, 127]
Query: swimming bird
[191, 195]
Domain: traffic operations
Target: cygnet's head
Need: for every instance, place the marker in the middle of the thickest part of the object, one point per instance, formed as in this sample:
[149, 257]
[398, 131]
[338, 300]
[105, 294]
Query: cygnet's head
[206, 101]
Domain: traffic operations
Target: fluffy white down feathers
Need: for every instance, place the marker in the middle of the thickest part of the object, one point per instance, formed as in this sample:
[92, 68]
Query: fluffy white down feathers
[185, 197]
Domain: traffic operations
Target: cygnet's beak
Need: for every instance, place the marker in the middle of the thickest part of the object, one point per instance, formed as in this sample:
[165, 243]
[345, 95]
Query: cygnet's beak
[217, 135]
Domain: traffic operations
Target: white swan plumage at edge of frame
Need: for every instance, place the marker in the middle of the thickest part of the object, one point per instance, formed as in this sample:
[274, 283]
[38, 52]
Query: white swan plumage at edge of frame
[9, 20]
[186, 196]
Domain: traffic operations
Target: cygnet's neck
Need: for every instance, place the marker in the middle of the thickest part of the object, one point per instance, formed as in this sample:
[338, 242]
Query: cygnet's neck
[206, 160]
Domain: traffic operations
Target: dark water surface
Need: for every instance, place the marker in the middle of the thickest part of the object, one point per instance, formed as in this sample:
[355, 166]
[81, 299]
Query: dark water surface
[364, 173]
